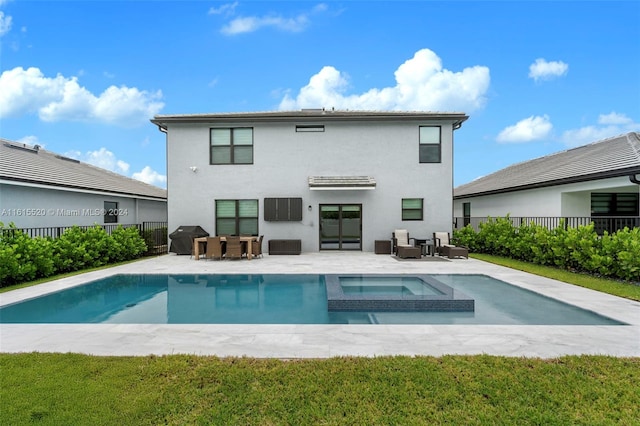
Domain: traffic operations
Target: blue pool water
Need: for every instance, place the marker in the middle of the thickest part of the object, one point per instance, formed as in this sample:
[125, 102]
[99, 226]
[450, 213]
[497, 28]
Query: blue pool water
[277, 299]
[389, 286]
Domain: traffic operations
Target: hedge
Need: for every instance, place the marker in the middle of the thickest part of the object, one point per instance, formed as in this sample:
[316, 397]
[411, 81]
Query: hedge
[23, 258]
[615, 255]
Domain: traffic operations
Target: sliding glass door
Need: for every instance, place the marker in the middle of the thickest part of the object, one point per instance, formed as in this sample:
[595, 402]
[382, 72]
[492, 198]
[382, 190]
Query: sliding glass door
[340, 227]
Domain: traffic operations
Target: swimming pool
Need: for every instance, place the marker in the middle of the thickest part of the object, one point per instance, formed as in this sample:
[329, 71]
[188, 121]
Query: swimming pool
[276, 299]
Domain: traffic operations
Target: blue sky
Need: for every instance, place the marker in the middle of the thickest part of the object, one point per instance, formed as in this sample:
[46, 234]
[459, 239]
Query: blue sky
[83, 78]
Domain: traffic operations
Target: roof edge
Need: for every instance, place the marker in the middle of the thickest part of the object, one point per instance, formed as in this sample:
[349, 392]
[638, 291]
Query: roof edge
[85, 188]
[556, 182]
[308, 115]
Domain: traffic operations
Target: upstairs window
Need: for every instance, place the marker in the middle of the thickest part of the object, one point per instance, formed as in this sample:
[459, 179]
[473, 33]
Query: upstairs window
[304, 128]
[430, 144]
[231, 146]
[412, 208]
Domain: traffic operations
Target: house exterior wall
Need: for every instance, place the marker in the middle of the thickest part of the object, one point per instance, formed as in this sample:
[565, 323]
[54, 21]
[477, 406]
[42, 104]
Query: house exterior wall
[570, 200]
[283, 159]
[38, 206]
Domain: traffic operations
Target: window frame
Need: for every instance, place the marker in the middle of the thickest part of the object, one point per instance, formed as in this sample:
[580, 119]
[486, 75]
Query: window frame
[110, 207]
[425, 147]
[231, 146]
[409, 210]
[237, 218]
[309, 128]
[614, 204]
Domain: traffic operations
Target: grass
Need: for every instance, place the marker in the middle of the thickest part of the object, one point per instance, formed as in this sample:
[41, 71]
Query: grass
[617, 288]
[55, 389]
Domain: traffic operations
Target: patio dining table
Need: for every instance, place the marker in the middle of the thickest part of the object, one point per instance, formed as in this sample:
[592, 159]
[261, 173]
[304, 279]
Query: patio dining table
[197, 242]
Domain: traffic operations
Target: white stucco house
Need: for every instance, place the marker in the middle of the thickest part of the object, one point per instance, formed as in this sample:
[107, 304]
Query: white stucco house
[599, 181]
[39, 189]
[335, 180]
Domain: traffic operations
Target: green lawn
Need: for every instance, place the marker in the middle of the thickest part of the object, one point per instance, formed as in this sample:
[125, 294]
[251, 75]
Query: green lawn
[69, 389]
[65, 389]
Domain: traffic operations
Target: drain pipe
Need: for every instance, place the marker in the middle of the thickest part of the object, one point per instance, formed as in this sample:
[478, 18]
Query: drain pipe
[634, 179]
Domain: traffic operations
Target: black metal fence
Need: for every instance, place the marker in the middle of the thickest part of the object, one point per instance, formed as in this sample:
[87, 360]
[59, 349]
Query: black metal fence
[154, 233]
[601, 223]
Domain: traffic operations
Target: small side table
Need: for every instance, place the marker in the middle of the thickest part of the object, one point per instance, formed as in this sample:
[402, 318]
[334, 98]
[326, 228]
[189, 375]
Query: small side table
[383, 247]
[426, 245]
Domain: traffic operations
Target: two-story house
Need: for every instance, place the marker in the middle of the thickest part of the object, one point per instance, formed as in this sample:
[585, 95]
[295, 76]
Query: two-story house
[336, 180]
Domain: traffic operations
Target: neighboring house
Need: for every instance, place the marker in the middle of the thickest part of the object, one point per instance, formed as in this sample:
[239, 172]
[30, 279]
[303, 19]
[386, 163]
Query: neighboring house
[336, 180]
[39, 188]
[593, 181]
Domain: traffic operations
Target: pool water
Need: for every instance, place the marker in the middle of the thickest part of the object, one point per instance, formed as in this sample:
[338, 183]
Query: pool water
[277, 299]
[387, 286]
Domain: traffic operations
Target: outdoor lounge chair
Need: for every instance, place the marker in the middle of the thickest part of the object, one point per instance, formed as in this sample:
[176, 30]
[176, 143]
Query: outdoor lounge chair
[215, 248]
[234, 248]
[400, 238]
[441, 242]
[443, 246]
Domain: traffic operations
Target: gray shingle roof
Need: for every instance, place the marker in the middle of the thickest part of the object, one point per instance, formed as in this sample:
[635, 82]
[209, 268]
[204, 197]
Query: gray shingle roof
[23, 163]
[612, 157]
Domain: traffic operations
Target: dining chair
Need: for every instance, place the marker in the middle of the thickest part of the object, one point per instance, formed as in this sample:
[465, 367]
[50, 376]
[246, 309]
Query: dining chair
[256, 247]
[234, 248]
[214, 248]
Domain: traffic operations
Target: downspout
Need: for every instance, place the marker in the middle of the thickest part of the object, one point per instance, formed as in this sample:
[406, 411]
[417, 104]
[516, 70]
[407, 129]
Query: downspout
[634, 179]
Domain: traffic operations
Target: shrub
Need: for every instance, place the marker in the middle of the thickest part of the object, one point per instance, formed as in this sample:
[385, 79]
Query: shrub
[24, 259]
[616, 255]
[127, 243]
[465, 237]
[624, 249]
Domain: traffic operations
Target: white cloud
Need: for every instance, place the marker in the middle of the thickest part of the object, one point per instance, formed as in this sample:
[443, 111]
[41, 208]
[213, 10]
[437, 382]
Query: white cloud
[543, 70]
[615, 119]
[249, 24]
[5, 23]
[102, 158]
[107, 160]
[61, 98]
[150, 176]
[608, 125]
[253, 23]
[225, 9]
[529, 129]
[321, 7]
[422, 84]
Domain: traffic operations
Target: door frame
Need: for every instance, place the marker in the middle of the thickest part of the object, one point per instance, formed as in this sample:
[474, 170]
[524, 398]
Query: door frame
[340, 236]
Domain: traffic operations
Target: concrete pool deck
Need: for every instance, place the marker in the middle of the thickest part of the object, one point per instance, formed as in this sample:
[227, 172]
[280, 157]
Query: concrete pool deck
[324, 341]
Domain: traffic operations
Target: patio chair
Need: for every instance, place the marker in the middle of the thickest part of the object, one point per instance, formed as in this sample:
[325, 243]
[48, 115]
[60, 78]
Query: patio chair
[215, 248]
[234, 248]
[400, 238]
[256, 247]
[442, 242]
